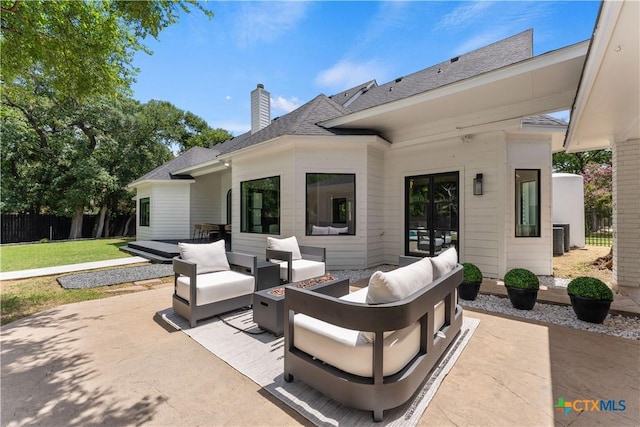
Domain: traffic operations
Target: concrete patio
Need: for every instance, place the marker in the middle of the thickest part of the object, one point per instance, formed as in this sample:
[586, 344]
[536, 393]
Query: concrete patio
[110, 362]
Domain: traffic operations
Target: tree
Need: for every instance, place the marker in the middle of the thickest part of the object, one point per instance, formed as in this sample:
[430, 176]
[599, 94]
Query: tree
[576, 162]
[598, 187]
[85, 48]
[67, 157]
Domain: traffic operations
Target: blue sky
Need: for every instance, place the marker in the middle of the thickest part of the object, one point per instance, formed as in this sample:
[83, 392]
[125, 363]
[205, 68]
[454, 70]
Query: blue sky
[301, 49]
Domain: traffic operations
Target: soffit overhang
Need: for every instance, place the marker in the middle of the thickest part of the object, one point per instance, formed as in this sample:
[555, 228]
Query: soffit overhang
[539, 85]
[607, 104]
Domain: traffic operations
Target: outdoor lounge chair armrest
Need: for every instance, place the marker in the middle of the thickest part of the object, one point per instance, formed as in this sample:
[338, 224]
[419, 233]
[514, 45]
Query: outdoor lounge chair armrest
[315, 251]
[280, 255]
[189, 269]
[244, 260]
[185, 268]
[272, 254]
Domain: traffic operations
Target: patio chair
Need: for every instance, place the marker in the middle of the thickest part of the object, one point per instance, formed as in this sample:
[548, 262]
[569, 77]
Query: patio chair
[293, 267]
[209, 281]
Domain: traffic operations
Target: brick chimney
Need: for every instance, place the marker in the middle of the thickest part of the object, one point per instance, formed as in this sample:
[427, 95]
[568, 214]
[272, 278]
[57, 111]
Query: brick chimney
[260, 108]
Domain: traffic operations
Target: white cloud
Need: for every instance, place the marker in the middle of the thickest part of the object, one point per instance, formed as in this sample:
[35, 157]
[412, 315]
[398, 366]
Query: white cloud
[468, 12]
[228, 97]
[267, 21]
[346, 74]
[285, 105]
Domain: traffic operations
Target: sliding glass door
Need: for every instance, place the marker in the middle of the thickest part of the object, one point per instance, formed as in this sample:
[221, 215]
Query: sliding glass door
[431, 213]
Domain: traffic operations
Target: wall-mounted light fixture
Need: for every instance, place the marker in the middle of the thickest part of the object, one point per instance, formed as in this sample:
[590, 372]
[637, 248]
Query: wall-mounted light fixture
[226, 164]
[477, 185]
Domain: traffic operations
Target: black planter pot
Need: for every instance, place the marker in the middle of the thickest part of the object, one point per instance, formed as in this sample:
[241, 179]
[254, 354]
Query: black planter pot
[589, 309]
[468, 291]
[522, 299]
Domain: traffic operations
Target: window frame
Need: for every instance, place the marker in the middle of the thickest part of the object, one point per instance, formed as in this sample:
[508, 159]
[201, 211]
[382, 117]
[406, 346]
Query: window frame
[335, 203]
[145, 211]
[518, 225]
[244, 223]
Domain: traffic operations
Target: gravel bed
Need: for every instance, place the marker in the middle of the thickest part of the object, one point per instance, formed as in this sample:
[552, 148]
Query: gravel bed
[619, 326]
[115, 276]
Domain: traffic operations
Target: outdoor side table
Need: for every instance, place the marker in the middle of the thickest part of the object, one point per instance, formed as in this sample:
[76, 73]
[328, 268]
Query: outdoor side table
[268, 304]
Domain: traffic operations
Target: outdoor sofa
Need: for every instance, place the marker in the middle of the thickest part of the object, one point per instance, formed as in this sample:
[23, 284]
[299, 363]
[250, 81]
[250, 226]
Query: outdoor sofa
[208, 280]
[373, 348]
[297, 263]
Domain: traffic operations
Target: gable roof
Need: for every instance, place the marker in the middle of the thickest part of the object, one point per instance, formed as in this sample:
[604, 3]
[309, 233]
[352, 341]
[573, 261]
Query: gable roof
[502, 53]
[165, 172]
[301, 121]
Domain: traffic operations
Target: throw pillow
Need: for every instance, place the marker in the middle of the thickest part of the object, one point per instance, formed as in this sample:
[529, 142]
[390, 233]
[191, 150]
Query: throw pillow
[444, 263]
[208, 257]
[398, 284]
[290, 244]
[338, 230]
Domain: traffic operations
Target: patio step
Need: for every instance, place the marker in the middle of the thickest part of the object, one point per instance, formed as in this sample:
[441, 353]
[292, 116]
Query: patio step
[153, 257]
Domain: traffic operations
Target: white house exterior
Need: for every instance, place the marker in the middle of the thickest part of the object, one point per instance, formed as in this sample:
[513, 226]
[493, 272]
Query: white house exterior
[410, 149]
[606, 113]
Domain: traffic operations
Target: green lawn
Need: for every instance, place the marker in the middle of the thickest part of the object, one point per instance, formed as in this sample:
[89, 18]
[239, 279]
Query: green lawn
[38, 255]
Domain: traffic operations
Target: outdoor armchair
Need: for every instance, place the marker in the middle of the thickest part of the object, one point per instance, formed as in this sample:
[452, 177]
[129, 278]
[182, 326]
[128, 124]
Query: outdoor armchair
[209, 281]
[293, 266]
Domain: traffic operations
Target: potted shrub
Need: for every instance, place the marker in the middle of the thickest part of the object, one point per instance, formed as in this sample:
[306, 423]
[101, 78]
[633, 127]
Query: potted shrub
[471, 281]
[522, 288]
[590, 298]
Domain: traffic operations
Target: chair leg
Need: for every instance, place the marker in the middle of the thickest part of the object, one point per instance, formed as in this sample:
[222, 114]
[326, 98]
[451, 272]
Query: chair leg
[288, 378]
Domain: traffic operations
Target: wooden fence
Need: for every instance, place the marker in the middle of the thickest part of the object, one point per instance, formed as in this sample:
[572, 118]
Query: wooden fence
[18, 228]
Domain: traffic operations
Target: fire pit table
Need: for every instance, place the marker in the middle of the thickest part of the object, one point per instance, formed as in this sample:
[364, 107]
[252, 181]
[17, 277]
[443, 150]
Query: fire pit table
[268, 304]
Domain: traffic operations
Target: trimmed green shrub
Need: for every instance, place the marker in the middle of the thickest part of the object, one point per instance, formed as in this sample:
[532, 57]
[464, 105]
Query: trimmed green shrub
[589, 287]
[521, 278]
[472, 273]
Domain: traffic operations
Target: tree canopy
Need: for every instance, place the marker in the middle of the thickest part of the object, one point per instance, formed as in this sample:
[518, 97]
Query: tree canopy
[85, 48]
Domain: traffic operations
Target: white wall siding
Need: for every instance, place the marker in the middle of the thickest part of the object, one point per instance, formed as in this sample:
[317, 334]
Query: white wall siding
[626, 213]
[205, 200]
[291, 160]
[330, 156]
[480, 216]
[170, 207]
[375, 206]
[533, 253]
[267, 163]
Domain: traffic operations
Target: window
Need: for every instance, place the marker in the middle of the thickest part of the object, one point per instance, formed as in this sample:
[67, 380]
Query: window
[527, 202]
[331, 204]
[260, 206]
[145, 212]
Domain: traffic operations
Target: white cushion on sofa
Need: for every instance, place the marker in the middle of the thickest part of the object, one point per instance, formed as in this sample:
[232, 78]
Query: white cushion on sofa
[302, 269]
[319, 230]
[444, 263]
[350, 351]
[290, 244]
[398, 284]
[208, 257]
[218, 286]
